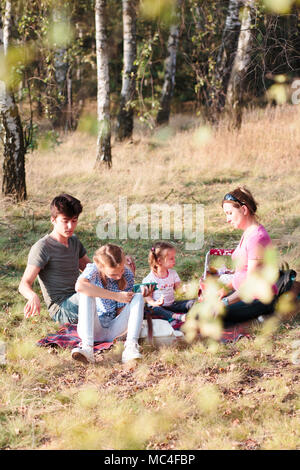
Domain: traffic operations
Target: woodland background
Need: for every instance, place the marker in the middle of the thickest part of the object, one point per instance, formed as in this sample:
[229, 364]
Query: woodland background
[135, 60]
[224, 114]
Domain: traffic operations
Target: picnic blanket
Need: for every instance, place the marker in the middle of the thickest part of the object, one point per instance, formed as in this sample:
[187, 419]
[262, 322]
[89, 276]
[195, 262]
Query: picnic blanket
[229, 335]
[67, 336]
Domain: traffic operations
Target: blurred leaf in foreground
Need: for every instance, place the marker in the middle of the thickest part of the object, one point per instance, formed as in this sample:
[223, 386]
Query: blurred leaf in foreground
[12, 64]
[279, 7]
[204, 317]
[158, 9]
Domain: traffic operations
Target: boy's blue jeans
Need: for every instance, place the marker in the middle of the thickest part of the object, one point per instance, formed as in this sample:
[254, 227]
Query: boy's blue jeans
[180, 306]
[68, 311]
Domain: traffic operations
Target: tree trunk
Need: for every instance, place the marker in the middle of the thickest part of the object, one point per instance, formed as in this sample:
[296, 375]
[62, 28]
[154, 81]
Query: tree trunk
[103, 95]
[59, 111]
[236, 85]
[163, 114]
[13, 183]
[125, 118]
[227, 52]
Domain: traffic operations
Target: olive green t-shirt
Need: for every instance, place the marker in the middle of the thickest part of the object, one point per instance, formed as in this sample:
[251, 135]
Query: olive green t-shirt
[59, 268]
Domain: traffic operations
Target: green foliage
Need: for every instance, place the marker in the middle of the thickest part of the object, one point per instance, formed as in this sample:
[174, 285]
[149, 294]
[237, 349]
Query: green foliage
[40, 37]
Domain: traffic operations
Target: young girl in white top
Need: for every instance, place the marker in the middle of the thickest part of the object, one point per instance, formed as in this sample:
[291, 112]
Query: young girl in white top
[162, 300]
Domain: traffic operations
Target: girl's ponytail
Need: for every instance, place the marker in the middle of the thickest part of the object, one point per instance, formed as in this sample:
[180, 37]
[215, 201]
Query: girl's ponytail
[157, 252]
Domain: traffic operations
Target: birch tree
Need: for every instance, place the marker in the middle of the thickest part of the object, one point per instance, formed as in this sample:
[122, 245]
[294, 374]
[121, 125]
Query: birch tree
[13, 183]
[103, 88]
[61, 66]
[125, 117]
[163, 114]
[236, 85]
[227, 51]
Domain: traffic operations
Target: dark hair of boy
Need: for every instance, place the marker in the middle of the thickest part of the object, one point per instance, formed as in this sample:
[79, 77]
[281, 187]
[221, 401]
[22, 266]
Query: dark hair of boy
[65, 204]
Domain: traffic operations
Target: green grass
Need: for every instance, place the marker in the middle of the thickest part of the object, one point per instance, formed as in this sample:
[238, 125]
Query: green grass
[203, 395]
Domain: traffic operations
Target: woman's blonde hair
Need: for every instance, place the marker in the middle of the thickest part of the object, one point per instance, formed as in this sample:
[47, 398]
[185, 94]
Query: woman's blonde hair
[111, 256]
[158, 251]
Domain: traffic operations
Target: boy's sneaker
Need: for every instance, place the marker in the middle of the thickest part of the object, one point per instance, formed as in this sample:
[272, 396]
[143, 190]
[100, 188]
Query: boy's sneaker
[83, 354]
[131, 352]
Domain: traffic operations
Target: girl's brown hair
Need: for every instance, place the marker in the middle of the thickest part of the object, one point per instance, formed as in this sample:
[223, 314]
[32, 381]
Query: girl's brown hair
[241, 196]
[111, 256]
[157, 252]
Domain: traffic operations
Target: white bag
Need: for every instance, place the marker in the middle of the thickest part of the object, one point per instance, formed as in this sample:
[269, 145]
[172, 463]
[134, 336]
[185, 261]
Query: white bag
[162, 333]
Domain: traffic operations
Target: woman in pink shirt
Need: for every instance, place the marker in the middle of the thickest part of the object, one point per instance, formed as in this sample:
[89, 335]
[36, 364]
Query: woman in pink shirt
[240, 209]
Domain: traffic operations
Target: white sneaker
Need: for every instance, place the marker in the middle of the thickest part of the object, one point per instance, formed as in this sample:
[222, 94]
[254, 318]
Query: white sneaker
[131, 352]
[83, 354]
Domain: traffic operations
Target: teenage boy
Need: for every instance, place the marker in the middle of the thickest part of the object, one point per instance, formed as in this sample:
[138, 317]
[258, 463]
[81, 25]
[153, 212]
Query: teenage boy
[56, 260]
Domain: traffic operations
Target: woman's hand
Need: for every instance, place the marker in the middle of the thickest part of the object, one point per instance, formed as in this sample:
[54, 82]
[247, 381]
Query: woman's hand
[223, 292]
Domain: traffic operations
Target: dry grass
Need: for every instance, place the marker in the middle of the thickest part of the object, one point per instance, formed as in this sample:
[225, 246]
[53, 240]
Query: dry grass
[199, 396]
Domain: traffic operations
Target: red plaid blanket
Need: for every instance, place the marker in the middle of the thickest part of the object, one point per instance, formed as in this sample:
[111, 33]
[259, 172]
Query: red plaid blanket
[67, 337]
[229, 335]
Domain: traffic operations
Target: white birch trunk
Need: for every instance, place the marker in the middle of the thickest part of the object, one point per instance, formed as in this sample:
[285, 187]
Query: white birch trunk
[125, 118]
[240, 66]
[103, 89]
[13, 183]
[59, 118]
[163, 114]
[227, 50]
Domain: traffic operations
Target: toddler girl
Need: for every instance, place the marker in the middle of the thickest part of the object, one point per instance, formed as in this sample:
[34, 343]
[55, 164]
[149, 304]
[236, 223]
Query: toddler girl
[162, 300]
[107, 306]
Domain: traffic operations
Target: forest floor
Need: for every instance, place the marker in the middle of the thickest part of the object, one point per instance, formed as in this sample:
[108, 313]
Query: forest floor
[199, 395]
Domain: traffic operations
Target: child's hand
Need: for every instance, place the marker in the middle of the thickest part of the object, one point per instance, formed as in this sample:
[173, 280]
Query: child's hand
[147, 291]
[159, 302]
[124, 297]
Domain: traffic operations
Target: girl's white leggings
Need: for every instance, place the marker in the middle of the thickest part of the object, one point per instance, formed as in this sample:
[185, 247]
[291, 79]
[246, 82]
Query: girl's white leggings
[129, 320]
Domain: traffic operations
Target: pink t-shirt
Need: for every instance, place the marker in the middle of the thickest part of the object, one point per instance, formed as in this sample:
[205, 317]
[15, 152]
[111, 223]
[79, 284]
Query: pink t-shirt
[250, 248]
